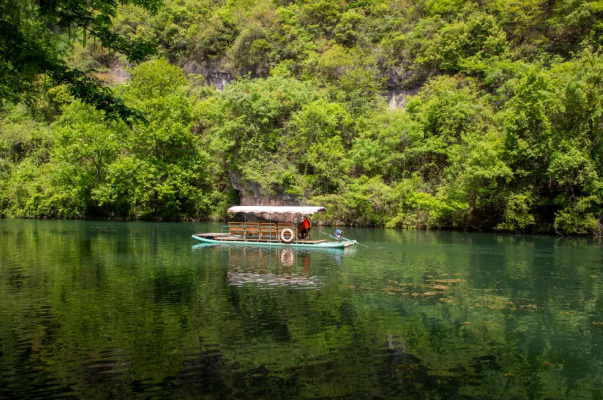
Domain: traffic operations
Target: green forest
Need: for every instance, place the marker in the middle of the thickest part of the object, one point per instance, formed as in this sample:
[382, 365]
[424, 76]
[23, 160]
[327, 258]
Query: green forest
[111, 109]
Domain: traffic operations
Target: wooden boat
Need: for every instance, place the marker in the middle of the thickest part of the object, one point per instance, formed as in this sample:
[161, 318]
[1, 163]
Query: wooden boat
[270, 233]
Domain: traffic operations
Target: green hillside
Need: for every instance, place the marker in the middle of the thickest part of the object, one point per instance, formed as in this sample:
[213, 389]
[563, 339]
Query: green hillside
[417, 114]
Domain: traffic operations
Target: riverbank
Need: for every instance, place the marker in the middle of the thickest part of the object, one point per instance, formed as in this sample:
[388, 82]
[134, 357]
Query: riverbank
[318, 223]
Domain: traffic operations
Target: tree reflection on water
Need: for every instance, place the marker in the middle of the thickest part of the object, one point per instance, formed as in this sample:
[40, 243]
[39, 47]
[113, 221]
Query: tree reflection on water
[272, 266]
[110, 310]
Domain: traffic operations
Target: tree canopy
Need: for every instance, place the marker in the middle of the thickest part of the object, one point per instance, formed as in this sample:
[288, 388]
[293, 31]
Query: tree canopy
[34, 41]
[398, 113]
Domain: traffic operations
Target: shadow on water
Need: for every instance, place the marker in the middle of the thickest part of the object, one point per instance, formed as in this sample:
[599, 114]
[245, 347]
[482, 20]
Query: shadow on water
[102, 310]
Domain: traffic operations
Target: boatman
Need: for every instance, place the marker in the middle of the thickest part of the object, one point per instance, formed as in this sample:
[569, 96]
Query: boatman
[304, 228]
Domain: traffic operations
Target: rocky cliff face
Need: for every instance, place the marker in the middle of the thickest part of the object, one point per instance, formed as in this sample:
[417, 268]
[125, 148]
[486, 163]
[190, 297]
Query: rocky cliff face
[251, 195]
[212, 71]
[398, 97]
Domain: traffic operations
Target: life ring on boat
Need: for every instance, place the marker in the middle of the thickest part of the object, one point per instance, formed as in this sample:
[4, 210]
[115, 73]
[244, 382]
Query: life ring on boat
[287, 231]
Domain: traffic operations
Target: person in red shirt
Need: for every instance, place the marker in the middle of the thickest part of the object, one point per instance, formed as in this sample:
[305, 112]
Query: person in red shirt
[305, 227]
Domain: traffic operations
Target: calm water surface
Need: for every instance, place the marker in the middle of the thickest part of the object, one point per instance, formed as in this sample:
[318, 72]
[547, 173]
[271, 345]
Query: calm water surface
[102, 310]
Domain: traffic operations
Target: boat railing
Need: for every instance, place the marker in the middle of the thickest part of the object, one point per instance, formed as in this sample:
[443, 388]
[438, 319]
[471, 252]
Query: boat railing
[253, 230]
[264, 231]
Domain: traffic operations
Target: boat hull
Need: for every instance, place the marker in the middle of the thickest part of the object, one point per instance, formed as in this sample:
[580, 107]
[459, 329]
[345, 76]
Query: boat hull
[323, 245]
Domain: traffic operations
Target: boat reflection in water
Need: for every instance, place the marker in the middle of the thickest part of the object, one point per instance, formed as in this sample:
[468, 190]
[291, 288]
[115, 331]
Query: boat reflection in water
[269, 268]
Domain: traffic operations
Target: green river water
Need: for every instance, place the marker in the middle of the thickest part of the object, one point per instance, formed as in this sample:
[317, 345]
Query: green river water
[107, 310]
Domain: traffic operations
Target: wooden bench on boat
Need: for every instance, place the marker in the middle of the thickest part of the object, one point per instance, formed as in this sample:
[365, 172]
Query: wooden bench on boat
[262, 230]
[239, 228]
[269, 231]
[236, 228]
[252, 229]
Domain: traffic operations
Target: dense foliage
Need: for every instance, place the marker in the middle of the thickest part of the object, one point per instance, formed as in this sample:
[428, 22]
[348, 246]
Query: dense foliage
[33, 36]
[500, 127]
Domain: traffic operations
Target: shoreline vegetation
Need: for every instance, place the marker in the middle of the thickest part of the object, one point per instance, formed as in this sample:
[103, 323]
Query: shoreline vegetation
[436, 114]
[321, 224]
